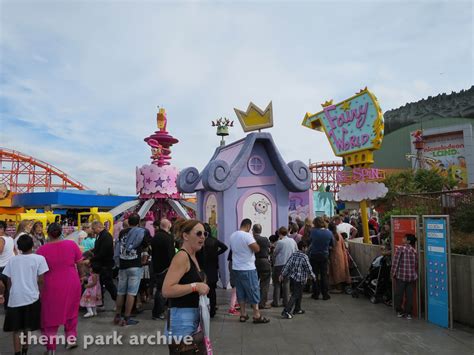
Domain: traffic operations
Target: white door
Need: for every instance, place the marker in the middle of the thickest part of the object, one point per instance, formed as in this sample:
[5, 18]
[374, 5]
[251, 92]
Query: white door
[259, 209]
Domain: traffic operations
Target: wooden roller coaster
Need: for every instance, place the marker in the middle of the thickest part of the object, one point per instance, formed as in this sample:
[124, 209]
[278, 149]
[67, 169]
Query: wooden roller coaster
[324, 174]
[23, 173]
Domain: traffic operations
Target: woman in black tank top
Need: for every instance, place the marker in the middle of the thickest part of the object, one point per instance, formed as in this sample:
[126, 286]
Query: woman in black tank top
[183, 283]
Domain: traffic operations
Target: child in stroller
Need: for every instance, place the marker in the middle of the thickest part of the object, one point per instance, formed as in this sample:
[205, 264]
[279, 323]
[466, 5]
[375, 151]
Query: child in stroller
[377, 284]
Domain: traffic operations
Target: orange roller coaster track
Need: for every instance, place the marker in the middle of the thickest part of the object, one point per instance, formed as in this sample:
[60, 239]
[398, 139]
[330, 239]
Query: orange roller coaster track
[324, 173]
[23, 173]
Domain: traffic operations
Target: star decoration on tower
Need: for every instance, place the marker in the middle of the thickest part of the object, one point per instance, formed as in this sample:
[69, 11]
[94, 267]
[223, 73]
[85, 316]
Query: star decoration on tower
[159, 182]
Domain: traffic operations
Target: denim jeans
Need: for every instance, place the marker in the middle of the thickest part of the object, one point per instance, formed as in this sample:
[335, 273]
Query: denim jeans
[129, 281]
[407, 289]
[248, 288]
[183, 321]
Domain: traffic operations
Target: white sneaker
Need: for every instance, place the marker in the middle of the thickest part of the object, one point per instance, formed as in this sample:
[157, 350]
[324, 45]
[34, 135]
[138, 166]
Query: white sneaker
[88, 315]
[94, 311]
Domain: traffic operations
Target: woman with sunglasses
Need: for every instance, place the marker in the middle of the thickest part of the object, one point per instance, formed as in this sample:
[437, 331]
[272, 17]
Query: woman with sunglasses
[183, 284]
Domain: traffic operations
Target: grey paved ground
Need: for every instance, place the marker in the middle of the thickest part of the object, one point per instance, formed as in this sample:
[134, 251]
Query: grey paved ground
[342, 325]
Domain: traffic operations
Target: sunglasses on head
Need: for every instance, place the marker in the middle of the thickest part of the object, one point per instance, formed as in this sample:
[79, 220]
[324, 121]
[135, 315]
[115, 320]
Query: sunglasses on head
[201, 233]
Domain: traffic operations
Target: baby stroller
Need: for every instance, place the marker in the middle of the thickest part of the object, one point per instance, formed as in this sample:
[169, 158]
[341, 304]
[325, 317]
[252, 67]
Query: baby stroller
[356, 275]
[377, 284]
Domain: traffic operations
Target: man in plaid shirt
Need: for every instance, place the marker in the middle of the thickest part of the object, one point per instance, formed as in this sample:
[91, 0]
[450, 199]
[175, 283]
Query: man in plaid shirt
[405, 273]
[298, 269]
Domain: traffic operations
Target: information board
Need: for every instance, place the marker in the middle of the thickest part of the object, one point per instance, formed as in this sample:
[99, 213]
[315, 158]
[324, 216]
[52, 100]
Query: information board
[401, 226]
[438, 281]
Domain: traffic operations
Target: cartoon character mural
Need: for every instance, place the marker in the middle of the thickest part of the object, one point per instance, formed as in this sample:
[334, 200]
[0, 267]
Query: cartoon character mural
[261, 206]
[301, 205]
[258, 208]
[459, 174]
[323, 202]
[211, 210]
[445, 154]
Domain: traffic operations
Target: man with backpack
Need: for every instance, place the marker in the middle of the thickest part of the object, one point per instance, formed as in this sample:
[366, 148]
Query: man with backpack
[128, 256]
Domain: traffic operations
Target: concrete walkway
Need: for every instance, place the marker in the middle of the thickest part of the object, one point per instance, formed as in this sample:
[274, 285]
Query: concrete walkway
[342, 325]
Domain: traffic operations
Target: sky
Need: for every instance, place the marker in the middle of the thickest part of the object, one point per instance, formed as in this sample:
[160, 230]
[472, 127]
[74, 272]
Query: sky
[80, 81]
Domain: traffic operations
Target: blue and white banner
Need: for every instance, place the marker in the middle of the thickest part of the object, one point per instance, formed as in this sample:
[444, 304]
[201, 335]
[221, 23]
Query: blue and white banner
[437, 271]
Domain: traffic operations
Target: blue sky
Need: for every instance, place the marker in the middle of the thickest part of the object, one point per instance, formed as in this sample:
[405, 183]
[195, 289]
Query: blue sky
[80, 81]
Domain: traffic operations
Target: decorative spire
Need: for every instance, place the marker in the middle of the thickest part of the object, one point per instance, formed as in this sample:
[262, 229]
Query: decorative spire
[161, 119]
[161, 141]
[222, 125]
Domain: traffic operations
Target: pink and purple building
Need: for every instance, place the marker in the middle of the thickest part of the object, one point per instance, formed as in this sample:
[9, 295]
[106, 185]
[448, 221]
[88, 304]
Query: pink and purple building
[245, 179]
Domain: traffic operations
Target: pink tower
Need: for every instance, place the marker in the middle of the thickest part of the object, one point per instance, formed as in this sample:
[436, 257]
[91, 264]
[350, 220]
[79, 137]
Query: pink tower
[158, 180]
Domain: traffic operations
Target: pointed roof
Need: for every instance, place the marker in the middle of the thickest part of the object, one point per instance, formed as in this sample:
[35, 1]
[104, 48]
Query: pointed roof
[228, 162]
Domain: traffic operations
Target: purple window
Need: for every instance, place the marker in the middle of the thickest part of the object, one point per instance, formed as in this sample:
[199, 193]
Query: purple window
[256, 165]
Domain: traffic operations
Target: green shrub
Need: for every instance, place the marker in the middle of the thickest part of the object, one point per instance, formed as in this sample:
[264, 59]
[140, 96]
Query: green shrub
[462, 243]
[463, 218]
[428, 181]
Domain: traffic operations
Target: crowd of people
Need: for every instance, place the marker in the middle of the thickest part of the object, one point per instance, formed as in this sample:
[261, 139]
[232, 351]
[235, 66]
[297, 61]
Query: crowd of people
[28, 271]
[312, 251]
[45, 280]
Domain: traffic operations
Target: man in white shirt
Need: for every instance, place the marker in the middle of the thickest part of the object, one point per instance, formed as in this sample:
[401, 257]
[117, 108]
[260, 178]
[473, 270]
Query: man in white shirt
[244, 247]
[342, 227]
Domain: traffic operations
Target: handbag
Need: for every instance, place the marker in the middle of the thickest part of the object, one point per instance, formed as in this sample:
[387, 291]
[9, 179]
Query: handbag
[196, 347]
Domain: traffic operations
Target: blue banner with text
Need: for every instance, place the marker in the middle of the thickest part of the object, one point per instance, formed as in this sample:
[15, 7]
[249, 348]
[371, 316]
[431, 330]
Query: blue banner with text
[437, 275]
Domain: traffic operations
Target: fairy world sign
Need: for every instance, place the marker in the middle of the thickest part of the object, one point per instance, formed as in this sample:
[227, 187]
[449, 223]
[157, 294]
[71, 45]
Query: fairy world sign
[353, 125]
